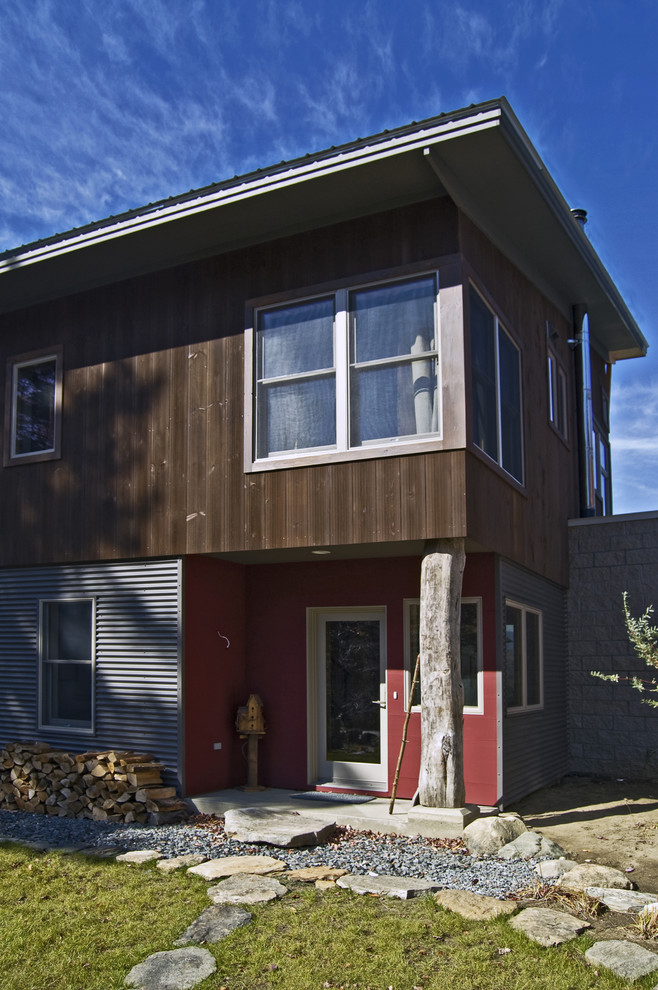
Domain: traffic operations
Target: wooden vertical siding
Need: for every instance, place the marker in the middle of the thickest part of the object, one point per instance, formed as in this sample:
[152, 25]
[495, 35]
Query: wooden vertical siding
[138, 655]
[535, 743]
[525, 523]
[152, 454]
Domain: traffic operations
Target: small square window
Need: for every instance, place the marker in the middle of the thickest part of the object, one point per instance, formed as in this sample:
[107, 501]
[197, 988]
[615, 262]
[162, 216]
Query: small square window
[33, 407]
[67, 664]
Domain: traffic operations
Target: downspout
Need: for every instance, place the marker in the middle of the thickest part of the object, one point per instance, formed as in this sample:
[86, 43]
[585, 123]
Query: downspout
[585, 416]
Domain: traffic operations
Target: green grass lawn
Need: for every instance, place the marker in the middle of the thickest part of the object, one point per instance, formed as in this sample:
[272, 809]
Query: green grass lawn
[76, 923]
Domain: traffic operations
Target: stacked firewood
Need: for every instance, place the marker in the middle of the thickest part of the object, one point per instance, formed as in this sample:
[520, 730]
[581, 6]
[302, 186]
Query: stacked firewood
[109, 786]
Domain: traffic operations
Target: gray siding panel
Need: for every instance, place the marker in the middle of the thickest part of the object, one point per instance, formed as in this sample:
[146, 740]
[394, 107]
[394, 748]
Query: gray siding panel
[138, 655]
[535, 743]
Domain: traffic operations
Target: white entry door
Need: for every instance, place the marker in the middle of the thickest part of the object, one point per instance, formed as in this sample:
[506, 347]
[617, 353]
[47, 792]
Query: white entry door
[349, 668]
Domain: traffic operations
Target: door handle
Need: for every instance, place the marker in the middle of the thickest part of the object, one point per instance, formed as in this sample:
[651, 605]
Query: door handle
[377, 701]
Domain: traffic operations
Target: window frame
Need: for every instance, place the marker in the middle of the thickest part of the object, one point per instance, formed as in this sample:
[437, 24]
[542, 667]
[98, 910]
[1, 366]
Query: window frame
[11, 458]
[500, 331]
[524, 609]
[557, 395]
[343, 367]
[410, 661]
[602, 470]
[86, 726]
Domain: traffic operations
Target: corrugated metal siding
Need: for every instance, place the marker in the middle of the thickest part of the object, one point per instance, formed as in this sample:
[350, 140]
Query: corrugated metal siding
[535, 744]
[138, 654]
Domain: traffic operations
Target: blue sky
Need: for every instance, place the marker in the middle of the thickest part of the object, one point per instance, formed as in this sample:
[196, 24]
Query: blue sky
[110, 105]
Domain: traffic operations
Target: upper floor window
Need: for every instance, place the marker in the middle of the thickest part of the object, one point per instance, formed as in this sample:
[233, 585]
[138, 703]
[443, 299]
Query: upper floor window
[470, 646]
[557, 395]
[33, 405]
[523, 657]
[496, 386]
[67, 663]
[602, 473]
[347, 370]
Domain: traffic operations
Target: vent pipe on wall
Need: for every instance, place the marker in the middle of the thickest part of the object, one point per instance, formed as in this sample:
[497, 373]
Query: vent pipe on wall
[585, 415]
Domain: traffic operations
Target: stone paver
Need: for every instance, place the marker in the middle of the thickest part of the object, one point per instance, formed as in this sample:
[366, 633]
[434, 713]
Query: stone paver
[214, 924]
[624, 959]
[476, 907]
[276, 828]
[245, 888]
[592, 875]
[178, 969]
[177, 862]
[624, 901]
[139, 856]
[551, 868]
[547, 926]
[310, 874]
[402, 887]
[488, 835]
[228, 866]
[531, 845]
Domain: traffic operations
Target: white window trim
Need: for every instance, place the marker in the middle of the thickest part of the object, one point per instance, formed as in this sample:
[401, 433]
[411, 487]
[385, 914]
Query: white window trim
[341, 451]
[86, 730]
[410, 662]
[557, 395]
[499, 327]
[14, 364]
[525, 609]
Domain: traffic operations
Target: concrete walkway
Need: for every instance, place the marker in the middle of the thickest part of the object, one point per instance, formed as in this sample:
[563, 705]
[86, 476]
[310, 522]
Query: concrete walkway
[371, 816]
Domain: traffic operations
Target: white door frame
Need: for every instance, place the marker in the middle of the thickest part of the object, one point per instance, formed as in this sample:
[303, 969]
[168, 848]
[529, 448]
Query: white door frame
[349, 775]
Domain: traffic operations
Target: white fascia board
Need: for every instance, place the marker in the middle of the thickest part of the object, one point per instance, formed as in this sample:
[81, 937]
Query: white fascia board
[158, 215]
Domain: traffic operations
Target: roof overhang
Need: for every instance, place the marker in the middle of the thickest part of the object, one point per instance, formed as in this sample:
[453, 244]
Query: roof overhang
[480, 156]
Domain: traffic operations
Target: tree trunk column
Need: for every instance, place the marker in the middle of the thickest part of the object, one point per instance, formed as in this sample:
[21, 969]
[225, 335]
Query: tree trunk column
[441, 782]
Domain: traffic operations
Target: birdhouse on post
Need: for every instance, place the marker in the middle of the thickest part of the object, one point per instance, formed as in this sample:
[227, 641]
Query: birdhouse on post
[250, 724]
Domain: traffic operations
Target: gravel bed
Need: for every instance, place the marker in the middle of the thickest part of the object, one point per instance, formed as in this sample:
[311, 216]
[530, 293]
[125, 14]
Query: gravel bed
[359, 852]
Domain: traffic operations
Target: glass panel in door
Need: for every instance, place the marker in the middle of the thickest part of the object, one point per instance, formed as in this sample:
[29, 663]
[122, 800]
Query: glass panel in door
[351, 682]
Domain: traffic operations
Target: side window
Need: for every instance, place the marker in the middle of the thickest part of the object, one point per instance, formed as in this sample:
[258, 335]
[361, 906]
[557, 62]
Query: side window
[33, 407]
[67, 664]
[602, 474]
[557, 395]
[523, 657]
[496, 389]
[470, 650]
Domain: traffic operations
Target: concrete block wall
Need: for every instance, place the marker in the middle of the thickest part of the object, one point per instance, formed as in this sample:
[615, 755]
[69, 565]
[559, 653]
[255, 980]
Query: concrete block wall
[611, 732]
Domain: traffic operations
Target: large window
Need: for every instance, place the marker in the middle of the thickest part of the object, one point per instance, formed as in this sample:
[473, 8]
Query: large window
[470, 651]
[496, 387]
[67, 663]
[523, 657]
[347, 370]
[32, 430]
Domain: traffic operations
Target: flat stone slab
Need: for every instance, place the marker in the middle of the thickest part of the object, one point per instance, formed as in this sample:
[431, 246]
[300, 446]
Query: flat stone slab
[276, 828]
[624, 901]
[488, 835]
[214, 924]
[551, 868]
[177, 862]
[547, 926]
[245, 888]
[624, 959]
[402, 887]
[178, 969]
[592, 875]
[228, 866]
[311, 874]
[531, 845]
[138, 856]
[476, 907]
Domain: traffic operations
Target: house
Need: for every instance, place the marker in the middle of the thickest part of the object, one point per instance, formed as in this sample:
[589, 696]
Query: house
[235, 420]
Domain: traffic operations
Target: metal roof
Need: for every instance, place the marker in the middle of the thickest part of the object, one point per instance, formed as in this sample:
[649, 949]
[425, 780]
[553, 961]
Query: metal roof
[479, 155]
